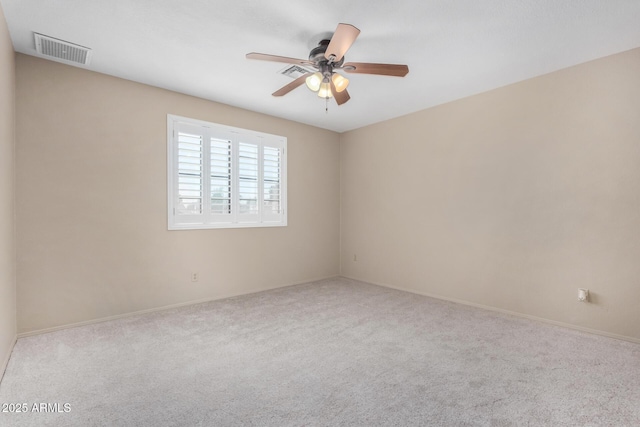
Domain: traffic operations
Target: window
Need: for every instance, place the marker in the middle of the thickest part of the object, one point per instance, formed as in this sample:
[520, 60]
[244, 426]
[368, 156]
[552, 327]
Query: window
[224, 177]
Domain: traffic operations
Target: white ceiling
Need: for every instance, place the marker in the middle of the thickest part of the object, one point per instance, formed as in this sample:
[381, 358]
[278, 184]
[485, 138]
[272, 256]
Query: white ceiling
[454, 48]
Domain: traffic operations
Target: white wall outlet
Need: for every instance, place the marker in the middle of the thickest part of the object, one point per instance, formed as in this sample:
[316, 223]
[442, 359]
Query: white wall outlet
[195, 277]
[583, 295]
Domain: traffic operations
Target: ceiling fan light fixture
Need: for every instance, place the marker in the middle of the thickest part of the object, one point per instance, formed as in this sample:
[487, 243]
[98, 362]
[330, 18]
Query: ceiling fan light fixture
[325, 90]
[326, 59]
[314, 81]
[340, 82]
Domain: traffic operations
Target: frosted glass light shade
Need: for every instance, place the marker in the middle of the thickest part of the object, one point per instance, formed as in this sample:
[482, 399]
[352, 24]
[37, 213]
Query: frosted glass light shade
[314, 81]
[325, 90]
[340, 82]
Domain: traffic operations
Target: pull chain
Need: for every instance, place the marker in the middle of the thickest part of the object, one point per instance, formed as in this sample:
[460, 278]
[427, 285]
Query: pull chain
[326, 107]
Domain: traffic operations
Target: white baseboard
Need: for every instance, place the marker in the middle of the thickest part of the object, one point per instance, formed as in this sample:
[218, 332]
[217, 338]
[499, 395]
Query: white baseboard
[166, 307]
[500, 310]
[5, 361]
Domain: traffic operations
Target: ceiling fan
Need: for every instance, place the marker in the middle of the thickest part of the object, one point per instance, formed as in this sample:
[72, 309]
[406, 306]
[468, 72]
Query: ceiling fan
[327, 58]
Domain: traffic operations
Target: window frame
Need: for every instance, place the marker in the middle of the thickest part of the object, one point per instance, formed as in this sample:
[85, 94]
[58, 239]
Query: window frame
[236, 136]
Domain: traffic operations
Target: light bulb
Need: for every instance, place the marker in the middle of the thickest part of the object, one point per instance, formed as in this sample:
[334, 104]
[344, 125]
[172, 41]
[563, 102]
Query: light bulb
[314, 81]
[325, 90]
[340, 82]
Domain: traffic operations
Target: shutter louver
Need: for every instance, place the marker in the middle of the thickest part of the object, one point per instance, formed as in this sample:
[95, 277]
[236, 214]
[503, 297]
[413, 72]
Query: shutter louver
[190, 188]
[248, 178]
[221, 176]
[272, 179]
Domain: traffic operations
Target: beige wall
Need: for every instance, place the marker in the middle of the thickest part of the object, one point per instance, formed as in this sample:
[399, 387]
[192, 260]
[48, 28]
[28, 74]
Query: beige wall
[511, 199]
[7, 246]
[92, 239]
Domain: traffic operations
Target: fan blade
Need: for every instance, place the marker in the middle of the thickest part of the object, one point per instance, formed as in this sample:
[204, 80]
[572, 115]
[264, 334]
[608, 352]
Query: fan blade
[380, 69]
[341, 41]
[274, 58]
[341, 97]
[291, 86]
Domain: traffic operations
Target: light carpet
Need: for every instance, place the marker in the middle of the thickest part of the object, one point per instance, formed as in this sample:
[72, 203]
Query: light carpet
[334, 352]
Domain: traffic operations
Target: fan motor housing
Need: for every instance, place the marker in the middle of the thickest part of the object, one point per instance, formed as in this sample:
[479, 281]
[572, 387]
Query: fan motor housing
[317, 55]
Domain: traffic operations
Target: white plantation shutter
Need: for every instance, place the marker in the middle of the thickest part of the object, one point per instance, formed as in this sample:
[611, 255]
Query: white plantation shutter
[272, 182]
[248, 180]
[219, 176]
[220, 167]
[189, 185]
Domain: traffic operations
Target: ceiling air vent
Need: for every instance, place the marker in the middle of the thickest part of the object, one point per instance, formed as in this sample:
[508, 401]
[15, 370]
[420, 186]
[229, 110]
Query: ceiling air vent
[295, 71]
[60, 49]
